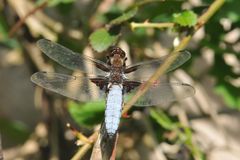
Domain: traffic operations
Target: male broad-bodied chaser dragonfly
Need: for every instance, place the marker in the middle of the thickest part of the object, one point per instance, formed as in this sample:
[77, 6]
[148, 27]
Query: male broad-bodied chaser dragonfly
[114, 80]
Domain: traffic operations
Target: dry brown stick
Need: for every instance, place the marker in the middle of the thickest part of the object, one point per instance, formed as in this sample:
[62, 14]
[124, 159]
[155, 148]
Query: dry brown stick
[21, 21]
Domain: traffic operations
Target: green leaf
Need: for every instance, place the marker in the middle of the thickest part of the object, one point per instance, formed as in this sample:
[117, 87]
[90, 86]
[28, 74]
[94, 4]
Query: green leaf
[233, 16]
[15, 130]
[124, 17]
[229, 97]
[187, 138]
[163, 120]
[185, 19]
[3, 28]
[55, 2]
[10, 42]
[88, 114]
[101, 39]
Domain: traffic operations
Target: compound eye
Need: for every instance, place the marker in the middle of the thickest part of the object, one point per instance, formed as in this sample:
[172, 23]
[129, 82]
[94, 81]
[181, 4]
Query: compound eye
[111, 54]
[111, 51]
[122, 55]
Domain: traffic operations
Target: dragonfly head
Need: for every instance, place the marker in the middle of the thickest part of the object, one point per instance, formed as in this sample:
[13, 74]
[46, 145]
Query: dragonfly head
[116, 56]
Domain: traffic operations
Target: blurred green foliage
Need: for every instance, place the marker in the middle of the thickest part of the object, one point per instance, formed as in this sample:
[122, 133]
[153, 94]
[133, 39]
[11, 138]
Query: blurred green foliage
[16, 131]
[4, 28]
[183, 133]
[88, 114]
[214, 37]
[53, 3]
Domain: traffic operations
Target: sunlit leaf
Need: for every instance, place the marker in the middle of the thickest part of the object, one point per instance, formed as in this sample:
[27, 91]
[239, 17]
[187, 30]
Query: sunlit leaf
[102, 39]
[185, 19]
[162, 119]
[88, 114]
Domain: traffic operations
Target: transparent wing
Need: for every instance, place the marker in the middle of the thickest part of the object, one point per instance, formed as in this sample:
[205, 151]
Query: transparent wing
[144, 70]
[162, 94]
[80, 88]
[70, 59]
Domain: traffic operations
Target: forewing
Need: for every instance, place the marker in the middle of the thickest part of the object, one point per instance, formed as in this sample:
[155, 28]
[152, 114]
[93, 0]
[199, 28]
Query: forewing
[162, 94]
[75, 87]
[144, 70]
[70, 59]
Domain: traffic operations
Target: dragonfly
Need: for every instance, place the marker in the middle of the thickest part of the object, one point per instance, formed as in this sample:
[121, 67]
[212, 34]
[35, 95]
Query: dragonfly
[113, 81]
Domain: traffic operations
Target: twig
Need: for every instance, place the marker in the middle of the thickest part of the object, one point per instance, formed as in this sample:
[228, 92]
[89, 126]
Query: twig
[151, 25]
[22, 20]
[81, 152]
[159, 72]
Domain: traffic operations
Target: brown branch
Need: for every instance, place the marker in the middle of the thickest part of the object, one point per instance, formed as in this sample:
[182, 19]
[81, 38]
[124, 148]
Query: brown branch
[81, 152]
[21, 21]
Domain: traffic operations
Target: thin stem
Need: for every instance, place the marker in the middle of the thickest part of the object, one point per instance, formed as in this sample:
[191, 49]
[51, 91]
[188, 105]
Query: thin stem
[82, 151]
[151, 25]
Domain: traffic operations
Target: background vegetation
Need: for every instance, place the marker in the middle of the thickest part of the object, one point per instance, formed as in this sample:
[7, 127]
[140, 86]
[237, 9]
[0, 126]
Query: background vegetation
[33, 120]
